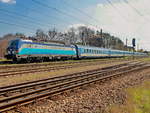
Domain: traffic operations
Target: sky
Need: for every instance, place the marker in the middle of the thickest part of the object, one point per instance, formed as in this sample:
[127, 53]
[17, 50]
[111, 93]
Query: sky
[123, 18]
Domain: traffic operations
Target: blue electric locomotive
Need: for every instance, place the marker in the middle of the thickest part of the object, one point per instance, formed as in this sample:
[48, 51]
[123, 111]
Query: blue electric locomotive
[26, 49]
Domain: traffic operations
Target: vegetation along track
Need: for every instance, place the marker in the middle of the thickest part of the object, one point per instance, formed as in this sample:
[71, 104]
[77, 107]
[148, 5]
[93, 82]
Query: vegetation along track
[35, 69]
[25, 93]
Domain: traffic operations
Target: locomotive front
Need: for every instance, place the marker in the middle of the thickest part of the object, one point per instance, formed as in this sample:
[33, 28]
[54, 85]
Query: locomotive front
[12, 49]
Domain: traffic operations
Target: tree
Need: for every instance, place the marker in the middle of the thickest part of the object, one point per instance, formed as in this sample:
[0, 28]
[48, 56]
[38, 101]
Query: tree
[40, 35]
[20, 35]
[71, 36]
[52, 34]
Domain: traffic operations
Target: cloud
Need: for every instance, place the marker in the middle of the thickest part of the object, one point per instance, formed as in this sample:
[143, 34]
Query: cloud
[8, 1]
[126, 20]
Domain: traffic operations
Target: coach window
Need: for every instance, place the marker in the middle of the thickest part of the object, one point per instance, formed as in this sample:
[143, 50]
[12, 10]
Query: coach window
[87, 50]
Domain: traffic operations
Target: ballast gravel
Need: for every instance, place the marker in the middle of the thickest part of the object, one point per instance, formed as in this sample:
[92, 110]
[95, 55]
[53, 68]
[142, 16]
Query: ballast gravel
[94, 98]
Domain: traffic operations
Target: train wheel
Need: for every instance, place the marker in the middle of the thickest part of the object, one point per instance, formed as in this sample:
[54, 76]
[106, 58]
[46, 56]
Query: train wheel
[16, 60]
[28, 60]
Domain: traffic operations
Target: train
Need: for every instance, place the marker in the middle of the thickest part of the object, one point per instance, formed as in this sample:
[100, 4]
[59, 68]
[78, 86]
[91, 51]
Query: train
[28, 50]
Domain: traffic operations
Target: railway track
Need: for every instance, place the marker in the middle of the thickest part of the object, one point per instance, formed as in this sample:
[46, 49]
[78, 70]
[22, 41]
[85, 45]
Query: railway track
[47, 68]
[25, 93]
[52, 63]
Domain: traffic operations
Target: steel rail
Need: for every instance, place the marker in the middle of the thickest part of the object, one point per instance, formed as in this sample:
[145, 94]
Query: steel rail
[35, 66]
[53, 63]
[62, 83]
[24, 83]
[61, 87]
[34, 70]
[50, 81]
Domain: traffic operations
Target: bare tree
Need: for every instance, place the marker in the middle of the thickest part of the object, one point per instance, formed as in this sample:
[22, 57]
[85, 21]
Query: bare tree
[85, 34]
[52, 34]
[40, 35]
[72, 38]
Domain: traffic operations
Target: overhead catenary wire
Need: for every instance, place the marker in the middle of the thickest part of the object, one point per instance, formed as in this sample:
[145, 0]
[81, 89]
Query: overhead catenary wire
[134, 8]
[25, 17]
[60, 12]
[116, 9]
[17, 25]
[138, 13]
[80, 11]
[49, 16]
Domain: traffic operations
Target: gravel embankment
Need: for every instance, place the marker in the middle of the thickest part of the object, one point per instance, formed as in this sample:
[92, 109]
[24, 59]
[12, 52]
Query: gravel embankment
[92, 99]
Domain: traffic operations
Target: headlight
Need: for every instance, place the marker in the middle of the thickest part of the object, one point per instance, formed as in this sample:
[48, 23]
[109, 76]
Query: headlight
[8, 52]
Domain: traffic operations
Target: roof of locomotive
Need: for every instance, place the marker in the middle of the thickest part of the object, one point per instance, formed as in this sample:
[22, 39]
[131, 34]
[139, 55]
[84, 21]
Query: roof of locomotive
[43, 43]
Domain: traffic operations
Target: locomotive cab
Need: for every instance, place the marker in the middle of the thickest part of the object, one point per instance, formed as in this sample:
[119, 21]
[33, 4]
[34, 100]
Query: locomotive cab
[12, 49]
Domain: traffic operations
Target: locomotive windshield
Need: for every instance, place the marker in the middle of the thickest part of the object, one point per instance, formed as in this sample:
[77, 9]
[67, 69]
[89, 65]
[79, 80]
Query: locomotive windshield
[13, 44]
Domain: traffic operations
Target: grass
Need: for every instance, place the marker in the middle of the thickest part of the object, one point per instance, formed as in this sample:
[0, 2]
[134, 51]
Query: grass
[138, 100]
[146, 59]
[2, 59]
